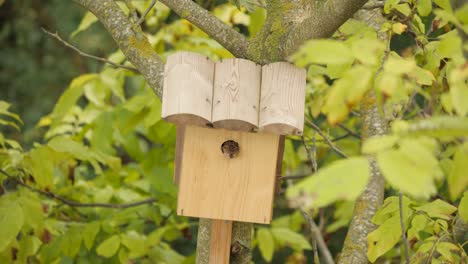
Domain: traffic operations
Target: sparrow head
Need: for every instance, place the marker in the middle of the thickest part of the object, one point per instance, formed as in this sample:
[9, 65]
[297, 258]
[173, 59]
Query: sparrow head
[230, 149]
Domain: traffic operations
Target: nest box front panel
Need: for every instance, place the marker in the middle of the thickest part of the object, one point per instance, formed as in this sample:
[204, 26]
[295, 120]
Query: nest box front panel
[227, 174]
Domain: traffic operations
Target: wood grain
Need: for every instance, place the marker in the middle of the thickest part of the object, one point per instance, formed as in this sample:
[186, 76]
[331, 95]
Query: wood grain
[179, 148]
[220, 243]
[282, 99]
[238, 189]
[236, 94]
[188, 89]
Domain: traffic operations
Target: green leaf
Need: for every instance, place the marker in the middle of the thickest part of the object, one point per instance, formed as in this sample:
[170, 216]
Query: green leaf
[384, 238]
[398, 65]
[411, 165]
[265, 243]
[109, 246]
[444, 4]
[389, 5]
[32, 210]
[285, 236]
[418, 224]
[257, 19]
[136, 244]
[399, 28]
[4, 106]
[458, 177]
[11, 219]
[391, 207]
[422, 76]
[438, 209]
[439, 126]
[41, 165]
[424, 7]
[342, 180]
[29, 245]
[463, 207]
[102, 134]
[459, 96]
[446, 248]
[68, 99]
[347, 92]
[450, 45]
[71, 241]
[323, 51]
[379, 143]
[368, 50]
[89, 234]
[67, 145]
[87, 20]
[165, 254]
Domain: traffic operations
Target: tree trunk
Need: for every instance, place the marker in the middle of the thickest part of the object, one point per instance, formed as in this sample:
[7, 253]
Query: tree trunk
[373, 124]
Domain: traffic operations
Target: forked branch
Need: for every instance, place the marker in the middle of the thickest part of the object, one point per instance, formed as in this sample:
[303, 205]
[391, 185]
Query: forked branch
[229, 38]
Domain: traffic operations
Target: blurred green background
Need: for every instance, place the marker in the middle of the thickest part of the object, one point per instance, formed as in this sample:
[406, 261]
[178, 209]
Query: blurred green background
[35, 68]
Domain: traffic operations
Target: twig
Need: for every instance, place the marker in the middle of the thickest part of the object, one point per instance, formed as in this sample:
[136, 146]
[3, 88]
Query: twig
[322, 246]
[142, 18]
[74, 203]
[87, 55]
[402, 225]
[350, 132]
[314, 152]
[316, 254]
[309, 155]
[327, 139]
[133, 12]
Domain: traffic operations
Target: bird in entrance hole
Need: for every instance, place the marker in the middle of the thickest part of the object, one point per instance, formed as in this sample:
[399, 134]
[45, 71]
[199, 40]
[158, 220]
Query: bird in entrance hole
[230, 149]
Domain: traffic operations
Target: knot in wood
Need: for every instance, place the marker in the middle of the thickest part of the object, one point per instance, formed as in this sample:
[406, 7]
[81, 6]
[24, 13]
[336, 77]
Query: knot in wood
[230, 148]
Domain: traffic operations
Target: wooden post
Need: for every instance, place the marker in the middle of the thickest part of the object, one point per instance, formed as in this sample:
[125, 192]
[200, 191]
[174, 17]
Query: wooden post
[220, 243]
[282, 99]
[188, 89]
[236, 94]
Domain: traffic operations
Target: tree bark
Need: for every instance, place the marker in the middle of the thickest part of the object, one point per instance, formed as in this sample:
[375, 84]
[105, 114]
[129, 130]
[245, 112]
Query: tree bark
[373, 124]
[355, 246]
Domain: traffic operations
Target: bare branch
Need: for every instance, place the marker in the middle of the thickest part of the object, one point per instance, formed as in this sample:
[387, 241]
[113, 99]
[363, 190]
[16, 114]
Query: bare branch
[131, 40]
[402, 225]
[315, 231]
[74, 203]
[327, 139]
[229, 38]
[350, 132]
[87, 55]
[324, 19]
[142, 18]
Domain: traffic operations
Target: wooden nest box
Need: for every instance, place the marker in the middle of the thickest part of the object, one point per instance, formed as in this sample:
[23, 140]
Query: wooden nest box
[231, 118]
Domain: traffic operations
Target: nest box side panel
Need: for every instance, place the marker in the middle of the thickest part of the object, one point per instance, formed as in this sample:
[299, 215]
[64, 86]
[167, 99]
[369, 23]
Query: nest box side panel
[213, 185]
[188, 89]
[282, 99]
[236, 94]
